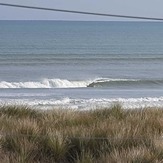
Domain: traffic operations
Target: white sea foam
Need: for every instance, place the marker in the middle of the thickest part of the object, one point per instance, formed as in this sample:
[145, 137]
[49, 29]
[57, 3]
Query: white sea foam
[46, 83]
[83, 104]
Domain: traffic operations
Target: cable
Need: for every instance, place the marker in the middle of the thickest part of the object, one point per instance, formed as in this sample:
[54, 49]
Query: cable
[82, 12]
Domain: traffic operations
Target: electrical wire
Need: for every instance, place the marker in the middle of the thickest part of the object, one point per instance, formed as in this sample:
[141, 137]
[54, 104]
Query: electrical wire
[82, 12]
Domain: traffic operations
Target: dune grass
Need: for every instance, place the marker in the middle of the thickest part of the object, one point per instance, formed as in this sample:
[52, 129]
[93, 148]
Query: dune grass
[111, 135]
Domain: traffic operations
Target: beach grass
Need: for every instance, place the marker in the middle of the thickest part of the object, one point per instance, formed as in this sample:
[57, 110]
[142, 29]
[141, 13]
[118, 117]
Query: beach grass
[111, 135]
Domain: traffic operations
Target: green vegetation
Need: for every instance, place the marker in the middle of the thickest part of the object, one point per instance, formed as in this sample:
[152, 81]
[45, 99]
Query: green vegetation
[111, 135]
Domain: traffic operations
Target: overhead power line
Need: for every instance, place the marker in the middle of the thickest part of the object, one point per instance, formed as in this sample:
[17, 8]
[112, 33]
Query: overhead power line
[83, 12]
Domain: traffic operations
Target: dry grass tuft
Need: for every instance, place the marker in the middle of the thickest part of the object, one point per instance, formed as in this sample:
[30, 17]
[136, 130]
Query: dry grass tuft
[66, 136]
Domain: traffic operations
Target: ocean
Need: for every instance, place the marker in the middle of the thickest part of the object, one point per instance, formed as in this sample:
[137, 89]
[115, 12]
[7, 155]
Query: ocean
[81, 64]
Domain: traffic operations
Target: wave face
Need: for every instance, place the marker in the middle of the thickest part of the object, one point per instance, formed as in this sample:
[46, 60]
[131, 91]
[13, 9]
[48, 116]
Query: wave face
[96, 83]
[125, 83]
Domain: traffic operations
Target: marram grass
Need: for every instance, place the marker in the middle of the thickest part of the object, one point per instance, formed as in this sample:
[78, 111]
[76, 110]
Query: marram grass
[105, 135]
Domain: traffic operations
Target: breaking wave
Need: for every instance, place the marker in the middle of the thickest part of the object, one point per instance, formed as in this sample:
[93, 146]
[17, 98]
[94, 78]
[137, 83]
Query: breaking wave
[64, 83]
[46, 83]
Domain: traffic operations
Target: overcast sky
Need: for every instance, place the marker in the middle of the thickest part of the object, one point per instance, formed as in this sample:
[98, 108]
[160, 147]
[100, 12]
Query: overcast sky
[148, 8]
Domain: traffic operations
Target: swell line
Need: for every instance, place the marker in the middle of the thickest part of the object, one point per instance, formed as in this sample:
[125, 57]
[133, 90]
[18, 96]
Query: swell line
[126, 82]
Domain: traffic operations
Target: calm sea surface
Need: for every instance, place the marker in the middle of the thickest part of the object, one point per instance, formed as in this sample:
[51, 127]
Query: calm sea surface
[81, 64]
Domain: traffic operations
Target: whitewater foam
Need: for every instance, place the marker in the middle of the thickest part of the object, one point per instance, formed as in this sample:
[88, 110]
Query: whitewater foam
[86, 104]
[46, 83]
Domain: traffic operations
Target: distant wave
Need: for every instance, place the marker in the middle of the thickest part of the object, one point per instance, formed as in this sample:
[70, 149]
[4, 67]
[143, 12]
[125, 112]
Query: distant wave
[98, 82]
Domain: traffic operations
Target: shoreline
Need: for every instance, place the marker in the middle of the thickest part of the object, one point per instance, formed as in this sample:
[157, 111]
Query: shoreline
[85, 104]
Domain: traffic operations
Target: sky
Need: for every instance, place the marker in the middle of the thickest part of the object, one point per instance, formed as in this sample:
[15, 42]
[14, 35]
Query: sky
[146, 8]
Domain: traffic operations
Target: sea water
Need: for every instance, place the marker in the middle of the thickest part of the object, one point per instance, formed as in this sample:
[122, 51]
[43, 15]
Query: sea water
[81, 64]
